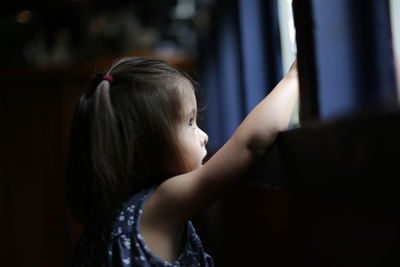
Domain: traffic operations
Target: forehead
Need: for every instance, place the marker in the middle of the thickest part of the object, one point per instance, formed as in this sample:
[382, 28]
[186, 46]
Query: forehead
[188, 97]
[189, 103]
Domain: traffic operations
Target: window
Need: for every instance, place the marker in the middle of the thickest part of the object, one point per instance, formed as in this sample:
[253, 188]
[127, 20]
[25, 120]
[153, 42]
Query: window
[395, 22]
[287, 32]
[288, 44]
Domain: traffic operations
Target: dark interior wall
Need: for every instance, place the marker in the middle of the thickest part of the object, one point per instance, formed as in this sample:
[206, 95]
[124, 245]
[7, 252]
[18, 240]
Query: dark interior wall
[253, 225]
[36, 108]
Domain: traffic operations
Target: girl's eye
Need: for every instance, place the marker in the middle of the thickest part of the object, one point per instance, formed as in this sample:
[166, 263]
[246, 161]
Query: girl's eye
[191, 122]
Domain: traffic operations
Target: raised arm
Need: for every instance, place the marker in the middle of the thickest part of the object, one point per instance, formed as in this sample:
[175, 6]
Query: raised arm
[271, 116]
[183, 196]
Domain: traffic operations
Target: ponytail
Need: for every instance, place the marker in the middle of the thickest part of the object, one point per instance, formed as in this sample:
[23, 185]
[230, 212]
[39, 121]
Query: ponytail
[104, 138]
[96, 159]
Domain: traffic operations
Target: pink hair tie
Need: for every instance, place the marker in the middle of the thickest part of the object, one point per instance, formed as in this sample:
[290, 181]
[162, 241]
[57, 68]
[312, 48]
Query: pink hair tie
[108, 78]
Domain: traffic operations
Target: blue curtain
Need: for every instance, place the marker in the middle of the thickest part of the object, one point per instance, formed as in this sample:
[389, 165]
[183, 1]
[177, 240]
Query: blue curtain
[359, 76]
[240, 63]
[350, 48]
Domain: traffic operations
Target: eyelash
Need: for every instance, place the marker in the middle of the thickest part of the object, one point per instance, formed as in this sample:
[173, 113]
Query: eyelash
[191, 122]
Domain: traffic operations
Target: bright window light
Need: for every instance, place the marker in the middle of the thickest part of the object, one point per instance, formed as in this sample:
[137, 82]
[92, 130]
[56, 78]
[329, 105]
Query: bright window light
[288, 44]
[395, 21]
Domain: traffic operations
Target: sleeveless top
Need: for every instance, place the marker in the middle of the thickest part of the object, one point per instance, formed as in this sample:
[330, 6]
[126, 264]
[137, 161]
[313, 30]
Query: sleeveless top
[125, 245]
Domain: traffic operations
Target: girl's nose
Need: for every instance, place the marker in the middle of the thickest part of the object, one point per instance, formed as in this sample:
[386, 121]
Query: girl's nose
[204, 137]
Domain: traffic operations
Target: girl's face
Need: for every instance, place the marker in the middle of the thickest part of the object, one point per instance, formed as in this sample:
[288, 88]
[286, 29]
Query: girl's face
[191, 139]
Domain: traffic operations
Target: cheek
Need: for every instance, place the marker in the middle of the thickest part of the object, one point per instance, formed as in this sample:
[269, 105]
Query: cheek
[191, 157]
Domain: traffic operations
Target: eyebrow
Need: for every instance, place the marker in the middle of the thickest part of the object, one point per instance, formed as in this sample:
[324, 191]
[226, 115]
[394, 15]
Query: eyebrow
[193, 111]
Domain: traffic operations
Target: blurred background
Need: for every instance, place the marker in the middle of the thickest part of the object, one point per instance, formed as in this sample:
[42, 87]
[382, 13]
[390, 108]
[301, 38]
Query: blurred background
[238, 50]
[44, 34]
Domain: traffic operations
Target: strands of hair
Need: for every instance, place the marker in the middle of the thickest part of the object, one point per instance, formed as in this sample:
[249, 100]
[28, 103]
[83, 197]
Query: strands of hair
[121, 134]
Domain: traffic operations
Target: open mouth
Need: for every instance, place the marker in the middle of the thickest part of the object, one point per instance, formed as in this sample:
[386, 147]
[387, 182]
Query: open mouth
[205, 159]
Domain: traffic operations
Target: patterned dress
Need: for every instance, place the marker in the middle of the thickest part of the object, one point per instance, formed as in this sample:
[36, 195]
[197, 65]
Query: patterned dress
[124, 245]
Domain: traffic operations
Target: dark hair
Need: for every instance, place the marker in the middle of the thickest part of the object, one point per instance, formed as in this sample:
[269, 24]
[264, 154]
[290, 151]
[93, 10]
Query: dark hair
[121, 134]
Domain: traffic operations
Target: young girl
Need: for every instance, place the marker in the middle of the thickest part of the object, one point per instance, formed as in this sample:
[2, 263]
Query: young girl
[136, 163]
